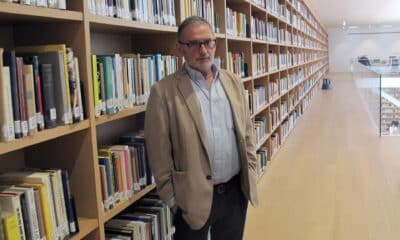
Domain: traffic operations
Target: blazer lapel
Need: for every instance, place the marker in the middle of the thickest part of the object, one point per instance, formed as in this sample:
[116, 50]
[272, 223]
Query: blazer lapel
[186, 89]
[233, 97]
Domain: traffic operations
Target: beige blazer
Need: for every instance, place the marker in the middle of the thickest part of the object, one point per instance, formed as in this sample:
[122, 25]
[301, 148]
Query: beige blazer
[177, 144]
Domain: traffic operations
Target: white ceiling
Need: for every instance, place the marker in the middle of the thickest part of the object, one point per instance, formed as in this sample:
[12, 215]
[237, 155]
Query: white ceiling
[356, 12]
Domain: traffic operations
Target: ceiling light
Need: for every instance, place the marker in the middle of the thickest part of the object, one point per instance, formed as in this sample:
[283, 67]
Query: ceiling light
[354, 27]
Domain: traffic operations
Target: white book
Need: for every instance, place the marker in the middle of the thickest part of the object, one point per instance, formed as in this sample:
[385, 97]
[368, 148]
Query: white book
[6, 110]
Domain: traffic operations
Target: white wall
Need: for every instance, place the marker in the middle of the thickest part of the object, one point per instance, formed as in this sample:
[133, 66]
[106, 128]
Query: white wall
[344, 47]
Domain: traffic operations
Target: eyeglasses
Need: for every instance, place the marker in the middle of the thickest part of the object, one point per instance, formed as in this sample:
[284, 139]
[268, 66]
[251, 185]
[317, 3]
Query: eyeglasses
[208, 43]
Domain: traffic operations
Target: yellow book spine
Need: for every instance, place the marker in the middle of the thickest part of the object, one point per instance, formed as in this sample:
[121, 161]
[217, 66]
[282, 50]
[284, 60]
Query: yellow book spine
[10, 224]
[95, 77]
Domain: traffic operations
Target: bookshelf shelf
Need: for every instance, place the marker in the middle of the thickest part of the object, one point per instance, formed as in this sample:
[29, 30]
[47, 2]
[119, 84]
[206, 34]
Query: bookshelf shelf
[258, 41]
[86, 226]
[122, 114]
[110, 24]
[246, 79]
[122, 205]
[220, 35]
[42, 136]
[18, 12]
[256, 8]
[238, 39]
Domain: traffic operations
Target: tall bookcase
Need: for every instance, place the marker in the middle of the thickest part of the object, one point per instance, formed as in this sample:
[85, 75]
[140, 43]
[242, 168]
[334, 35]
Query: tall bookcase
[74, 147]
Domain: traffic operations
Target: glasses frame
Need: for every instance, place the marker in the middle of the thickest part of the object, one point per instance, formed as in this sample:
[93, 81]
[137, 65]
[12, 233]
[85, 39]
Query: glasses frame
[196, 44]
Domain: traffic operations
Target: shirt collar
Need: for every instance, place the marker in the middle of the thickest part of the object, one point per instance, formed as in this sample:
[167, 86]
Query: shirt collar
[196, 75]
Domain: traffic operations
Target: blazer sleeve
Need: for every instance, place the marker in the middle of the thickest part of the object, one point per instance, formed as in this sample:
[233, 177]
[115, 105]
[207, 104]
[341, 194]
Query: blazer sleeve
[158, 143]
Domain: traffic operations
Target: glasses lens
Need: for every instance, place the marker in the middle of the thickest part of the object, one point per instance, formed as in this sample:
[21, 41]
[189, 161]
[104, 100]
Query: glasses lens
[209, 43]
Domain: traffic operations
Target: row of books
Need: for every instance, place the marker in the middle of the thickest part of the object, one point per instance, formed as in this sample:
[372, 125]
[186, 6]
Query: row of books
[288, 124]
[283, 84]
[59, 4]
[259, 64]
[259, 97]
[273, 89]
[147, 11]
[41, 89]
[260, 126]
[123, 81]
[262, 160]
[283, 109]
[293, 98]
[37, 204]
[283, 60]
[274, 143]
[236, 64]
[236, 23]
[260, 3]
[124, 169]
[274, 116]
[272, 61]
[258, 28]
[272, 32]
[202, 8]
[285, 36]
[148, 219]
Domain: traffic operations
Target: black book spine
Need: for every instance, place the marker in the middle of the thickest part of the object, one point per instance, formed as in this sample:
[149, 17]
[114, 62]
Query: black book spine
[10, 60]
[72, 224]
[49, 101]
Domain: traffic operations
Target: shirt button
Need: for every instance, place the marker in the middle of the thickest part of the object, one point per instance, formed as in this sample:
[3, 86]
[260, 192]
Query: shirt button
[208, 177]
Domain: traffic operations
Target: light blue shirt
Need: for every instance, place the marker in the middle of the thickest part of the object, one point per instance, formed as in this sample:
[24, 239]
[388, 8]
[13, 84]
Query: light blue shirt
[218, 122]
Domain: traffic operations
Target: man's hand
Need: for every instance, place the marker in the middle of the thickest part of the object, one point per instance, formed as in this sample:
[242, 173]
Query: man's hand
[174, 209]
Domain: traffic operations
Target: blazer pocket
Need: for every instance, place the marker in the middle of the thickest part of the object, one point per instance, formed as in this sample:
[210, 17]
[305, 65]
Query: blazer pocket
[179, 181]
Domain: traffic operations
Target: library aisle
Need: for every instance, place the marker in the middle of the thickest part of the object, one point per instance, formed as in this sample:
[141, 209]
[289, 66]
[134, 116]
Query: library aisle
[334, 179]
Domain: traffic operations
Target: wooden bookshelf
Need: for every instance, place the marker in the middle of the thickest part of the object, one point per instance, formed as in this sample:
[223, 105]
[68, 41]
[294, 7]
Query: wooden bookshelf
[74, 147]
[12, 11]
[124, 204]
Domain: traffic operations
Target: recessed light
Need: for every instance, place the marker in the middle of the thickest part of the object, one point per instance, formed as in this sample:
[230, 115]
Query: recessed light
[354, 27]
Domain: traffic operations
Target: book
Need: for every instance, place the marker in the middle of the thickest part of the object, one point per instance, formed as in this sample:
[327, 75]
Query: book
[49, 99]
[6, 111]
[37, 79]
[11, 203]
[10, 225]
[21, 96]
[30, 99]
[10, 61]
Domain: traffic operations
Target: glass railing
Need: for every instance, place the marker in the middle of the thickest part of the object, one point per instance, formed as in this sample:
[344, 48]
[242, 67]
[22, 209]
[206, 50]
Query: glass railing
[379, 88]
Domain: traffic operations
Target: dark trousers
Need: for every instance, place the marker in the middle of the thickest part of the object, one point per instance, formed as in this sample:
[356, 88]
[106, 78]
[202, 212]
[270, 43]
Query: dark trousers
[227, 217]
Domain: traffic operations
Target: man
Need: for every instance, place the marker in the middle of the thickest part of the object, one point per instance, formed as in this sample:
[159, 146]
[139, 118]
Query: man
[200, 141]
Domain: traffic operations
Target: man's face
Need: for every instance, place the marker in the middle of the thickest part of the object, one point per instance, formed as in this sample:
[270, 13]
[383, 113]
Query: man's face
[197, 46]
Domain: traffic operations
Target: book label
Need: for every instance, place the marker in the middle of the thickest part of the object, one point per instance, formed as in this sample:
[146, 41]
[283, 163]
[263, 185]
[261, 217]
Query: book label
[32, 123]
[24, 125]
[40, 119]
[53, 114]
[8, 132]
[17, 127]
[77, 112]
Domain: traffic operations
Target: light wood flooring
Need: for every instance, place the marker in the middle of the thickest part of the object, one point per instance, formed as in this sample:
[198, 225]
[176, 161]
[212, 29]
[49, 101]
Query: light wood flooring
[334, 178]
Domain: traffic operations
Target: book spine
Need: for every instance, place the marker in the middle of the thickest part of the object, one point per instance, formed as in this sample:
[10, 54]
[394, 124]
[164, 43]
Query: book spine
[72, 224]
[49, 102]
[38, 93]
[10, 60]
[6, 111]
[30, 99]
[21, 94]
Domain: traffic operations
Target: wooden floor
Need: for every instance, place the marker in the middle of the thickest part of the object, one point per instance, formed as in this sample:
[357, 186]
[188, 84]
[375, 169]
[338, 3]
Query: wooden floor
[334, 179]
